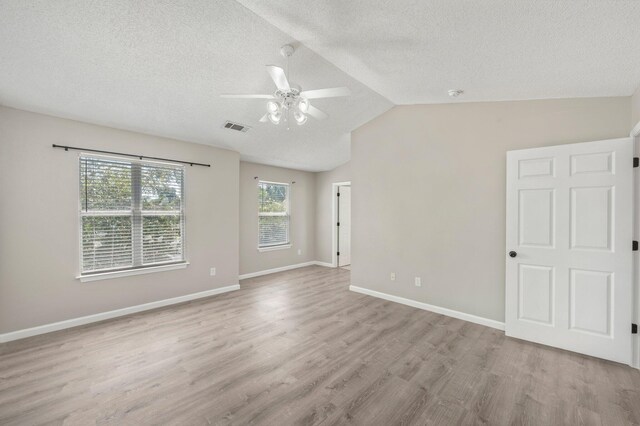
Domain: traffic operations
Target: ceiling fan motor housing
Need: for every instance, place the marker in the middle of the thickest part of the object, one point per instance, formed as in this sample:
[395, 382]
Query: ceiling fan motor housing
[288, 99]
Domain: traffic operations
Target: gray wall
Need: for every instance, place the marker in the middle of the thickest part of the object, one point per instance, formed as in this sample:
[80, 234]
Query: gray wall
[423, 177]
[429, 192]
[303, 213]
[324, 209]
[39, 253]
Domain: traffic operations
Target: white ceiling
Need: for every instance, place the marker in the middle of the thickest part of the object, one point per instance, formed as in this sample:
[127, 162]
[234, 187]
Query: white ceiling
[158, 66]
[413, 51]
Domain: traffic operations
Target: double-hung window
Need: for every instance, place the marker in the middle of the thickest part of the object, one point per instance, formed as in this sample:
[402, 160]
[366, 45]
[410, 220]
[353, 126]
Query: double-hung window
[131, 214]
[273, 214]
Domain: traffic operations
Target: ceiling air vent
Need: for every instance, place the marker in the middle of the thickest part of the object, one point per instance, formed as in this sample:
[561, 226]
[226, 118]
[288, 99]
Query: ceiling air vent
[235, 126]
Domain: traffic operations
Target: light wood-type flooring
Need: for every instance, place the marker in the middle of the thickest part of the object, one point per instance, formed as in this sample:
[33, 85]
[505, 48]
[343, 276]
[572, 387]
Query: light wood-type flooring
[298, 348]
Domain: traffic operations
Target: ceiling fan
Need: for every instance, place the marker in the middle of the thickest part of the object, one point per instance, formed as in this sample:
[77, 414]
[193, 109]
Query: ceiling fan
[290, 98]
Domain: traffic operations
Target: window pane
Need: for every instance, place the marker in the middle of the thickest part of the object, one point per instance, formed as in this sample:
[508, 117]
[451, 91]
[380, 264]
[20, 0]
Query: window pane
[161, 188]
[106, 242]
[161, 239]
[274, 230]
[272, 198]
[104, 184]
[132, 213]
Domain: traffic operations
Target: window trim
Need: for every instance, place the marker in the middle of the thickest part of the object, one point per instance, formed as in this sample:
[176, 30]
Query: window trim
[280, 246]
[102, 274]
[106, 275]
[276, 247]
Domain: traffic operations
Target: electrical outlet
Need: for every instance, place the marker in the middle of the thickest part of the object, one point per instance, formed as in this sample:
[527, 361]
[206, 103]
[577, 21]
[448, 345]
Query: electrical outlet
[418, 282]
[212, 271]
[393, 276]
[299, 252]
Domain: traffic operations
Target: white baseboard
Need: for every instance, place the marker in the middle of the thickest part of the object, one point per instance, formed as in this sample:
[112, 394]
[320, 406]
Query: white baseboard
[74, 322]
[282, 269]
[432, 308]
[325, 264]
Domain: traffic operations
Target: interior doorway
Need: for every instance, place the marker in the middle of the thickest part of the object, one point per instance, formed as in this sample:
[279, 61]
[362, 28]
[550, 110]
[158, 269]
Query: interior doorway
[342, 225]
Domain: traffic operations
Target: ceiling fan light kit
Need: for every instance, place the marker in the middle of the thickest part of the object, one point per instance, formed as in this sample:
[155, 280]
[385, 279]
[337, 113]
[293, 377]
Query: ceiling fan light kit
[290, 99]
[275, 117]
[300, 117]
[272, 107]
[303, 105]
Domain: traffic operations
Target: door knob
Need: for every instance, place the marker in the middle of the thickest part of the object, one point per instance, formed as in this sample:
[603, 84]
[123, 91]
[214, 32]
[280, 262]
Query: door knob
[513, 254]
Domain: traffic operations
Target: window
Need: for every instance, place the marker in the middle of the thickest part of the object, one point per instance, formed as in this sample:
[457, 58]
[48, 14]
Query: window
[131, 213]
[273, 213]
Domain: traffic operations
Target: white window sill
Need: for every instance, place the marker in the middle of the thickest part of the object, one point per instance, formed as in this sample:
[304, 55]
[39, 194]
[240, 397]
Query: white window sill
[129, 272]
[272, 248]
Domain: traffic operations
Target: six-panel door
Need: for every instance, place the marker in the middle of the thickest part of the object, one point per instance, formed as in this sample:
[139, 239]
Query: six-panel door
[569, 222]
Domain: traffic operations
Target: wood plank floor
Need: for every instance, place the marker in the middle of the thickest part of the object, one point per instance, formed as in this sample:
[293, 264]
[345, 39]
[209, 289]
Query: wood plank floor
[299, 348]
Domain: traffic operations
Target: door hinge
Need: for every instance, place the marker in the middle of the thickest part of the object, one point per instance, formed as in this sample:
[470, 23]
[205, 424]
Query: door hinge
[338, 253]
[338, 194]
[634, 328]
[634, 246]
[636, 162]
[338, 223]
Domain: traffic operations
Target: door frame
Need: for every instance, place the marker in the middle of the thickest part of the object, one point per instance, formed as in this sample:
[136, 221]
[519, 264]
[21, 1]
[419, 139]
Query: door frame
[334, 221]
[635, 343]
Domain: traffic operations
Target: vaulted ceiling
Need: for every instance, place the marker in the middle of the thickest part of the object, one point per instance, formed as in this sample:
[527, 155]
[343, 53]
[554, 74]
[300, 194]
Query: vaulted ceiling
[413, 51]
[159, 67]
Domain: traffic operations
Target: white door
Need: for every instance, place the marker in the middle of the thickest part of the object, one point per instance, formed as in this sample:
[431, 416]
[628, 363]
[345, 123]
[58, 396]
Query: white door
[344, 230]
[569, 244]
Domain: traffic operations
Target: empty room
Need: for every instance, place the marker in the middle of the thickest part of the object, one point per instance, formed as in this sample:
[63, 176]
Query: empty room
[245, 212]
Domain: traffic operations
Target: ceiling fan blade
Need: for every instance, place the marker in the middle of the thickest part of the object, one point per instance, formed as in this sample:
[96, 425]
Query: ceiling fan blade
[247, 96]
[316, 113]
[279, 78]
[334, 92]
[264, 118]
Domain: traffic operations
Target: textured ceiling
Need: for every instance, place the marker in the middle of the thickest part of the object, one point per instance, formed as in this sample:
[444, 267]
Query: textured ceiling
[158, 67]
[413, 51]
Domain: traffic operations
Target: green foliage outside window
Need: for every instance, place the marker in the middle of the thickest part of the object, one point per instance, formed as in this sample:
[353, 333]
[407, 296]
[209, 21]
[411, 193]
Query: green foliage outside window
[273, 222]
[131, 213]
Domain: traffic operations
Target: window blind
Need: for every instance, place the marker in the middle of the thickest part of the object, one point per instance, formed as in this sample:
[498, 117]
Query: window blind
[273, 214]
[132, 214]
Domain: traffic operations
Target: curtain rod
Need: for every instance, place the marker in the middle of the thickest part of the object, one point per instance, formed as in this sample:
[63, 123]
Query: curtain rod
[191, 163]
